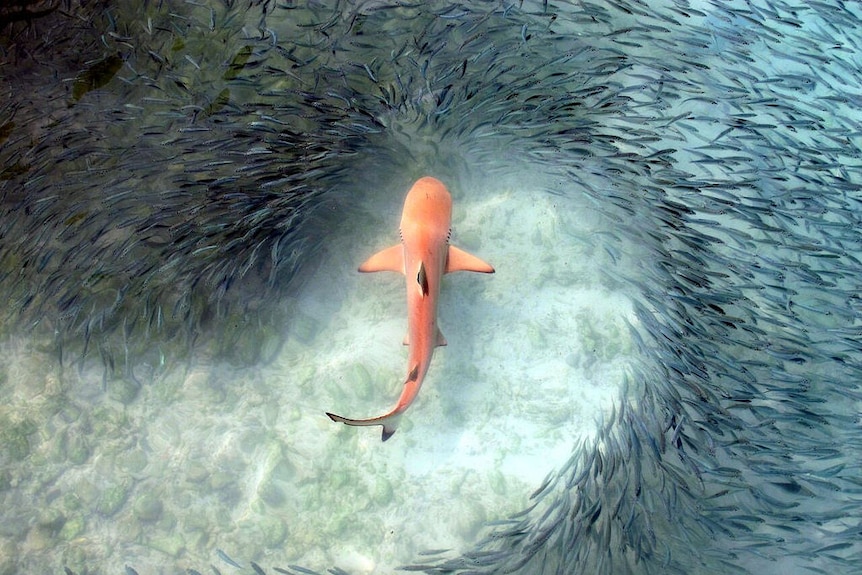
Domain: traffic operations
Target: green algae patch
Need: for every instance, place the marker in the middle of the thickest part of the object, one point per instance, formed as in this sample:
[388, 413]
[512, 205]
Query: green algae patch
[171, 545]
[112, 500]
[238, 63]
[274, 532]
[218, 103]
[72, 528]
[97, 75]
[15, 438]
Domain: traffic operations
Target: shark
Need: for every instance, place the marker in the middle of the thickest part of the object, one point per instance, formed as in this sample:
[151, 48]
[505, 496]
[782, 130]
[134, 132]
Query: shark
[424, 256]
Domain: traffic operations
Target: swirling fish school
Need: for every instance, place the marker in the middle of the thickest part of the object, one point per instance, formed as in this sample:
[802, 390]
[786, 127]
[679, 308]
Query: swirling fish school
[669, 194]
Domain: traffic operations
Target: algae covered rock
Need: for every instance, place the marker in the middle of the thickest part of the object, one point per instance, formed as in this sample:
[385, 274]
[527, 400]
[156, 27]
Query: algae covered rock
[112, 500]
[148, 507]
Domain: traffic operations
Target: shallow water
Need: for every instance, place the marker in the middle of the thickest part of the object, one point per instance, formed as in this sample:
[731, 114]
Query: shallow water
[662, 376]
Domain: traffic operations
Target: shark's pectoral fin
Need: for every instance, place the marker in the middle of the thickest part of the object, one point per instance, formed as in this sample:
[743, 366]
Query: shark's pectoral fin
[459, 261]
[388, 260]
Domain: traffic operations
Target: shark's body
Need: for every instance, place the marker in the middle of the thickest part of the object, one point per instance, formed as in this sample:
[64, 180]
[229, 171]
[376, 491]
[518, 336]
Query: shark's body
[423, 256]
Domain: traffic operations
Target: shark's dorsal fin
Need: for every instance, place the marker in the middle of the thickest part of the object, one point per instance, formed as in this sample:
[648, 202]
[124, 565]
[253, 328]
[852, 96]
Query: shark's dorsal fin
[388, 260]
[422, 279]
[461, 261]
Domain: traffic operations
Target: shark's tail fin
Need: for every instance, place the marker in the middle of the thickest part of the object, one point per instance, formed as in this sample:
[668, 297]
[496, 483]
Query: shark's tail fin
[388, 421]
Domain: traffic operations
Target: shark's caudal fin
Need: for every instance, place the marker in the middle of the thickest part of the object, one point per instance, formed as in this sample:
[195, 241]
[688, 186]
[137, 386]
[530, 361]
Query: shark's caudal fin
[388, 421]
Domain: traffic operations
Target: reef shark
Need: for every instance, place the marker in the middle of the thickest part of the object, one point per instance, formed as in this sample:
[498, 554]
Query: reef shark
[423, 256]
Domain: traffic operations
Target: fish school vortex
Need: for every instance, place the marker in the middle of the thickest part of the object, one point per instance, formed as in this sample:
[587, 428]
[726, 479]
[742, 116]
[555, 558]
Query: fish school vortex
[669, 193]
